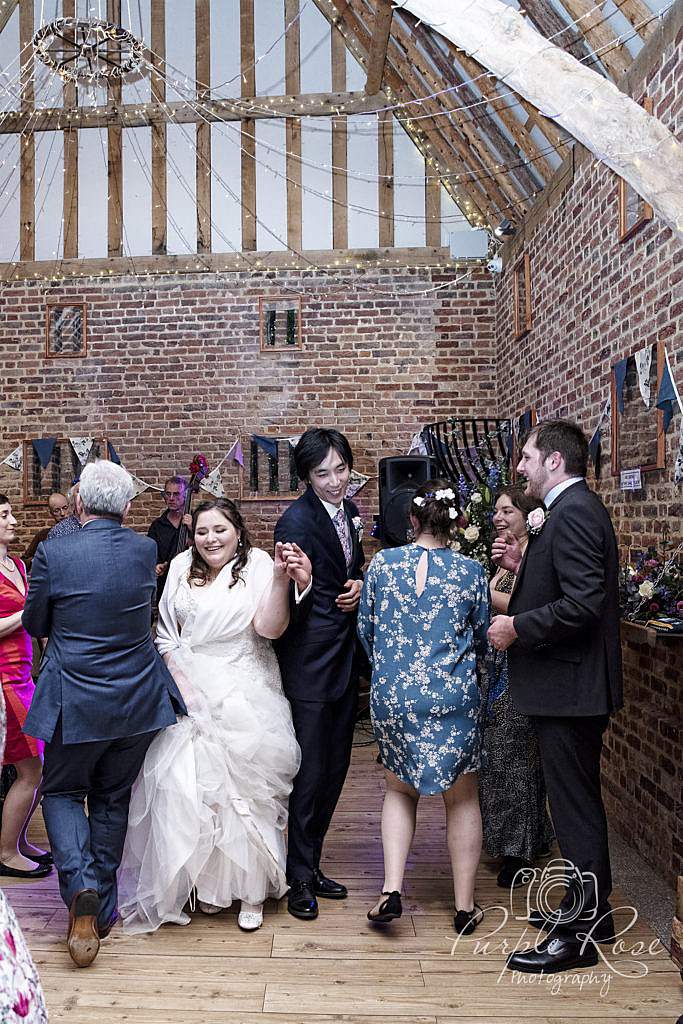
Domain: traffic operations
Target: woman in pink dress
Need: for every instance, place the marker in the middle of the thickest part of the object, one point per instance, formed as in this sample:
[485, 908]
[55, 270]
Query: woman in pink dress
[17, 856]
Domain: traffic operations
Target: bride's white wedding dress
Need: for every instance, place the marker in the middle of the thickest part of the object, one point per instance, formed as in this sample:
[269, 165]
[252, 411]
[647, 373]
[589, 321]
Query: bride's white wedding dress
[209, 808]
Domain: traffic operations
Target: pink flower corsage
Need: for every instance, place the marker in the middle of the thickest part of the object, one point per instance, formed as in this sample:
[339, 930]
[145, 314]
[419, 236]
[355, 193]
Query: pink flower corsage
[535, 521]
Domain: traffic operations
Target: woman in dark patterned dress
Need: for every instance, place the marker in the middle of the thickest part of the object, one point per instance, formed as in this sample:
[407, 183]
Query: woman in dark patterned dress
[512, 793]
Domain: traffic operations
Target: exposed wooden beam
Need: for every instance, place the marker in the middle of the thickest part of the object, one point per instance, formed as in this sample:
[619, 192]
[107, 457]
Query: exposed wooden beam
[136, 115]
[27, 154]
[433, 211]
[293, 125]
[639, 15]
[258, 262]
[377, 54]
[7, 12]
[159, 133]
[340, 184]
[552, 25]
[70, 212]
[203, 159]
[247, 65]
[385, 143]
[591, 20]
[115, 152]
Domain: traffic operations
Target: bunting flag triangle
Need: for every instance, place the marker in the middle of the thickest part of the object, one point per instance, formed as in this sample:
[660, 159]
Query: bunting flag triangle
[213, 483]
[620, 369]
[417, 445]
[111, 451]
[236, 453]
[643, 367]
[139, 486]
[82, 446]
[678, 469]
[594, 450]
[356, 483]
[668, 396]
[294, 440]
[15, 459]
[267, 444]
[44, 447]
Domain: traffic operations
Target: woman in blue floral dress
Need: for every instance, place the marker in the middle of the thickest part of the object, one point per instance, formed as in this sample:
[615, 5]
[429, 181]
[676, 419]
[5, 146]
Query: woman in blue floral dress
[423, 618]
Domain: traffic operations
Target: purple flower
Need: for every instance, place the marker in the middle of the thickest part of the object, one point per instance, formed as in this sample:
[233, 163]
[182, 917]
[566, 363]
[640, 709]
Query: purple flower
[9, 939]
[22, 1005]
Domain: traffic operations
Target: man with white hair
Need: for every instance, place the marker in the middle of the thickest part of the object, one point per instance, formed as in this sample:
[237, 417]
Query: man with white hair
[102, 694]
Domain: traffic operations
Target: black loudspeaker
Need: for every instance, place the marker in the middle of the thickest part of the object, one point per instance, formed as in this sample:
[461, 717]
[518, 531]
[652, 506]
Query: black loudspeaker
[399, 478]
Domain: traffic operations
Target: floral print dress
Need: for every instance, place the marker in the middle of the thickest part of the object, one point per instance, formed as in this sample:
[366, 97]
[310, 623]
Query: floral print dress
[425, 652]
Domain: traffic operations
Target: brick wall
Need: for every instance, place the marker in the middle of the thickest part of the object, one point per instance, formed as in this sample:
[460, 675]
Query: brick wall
[173, 367]
[594, 301]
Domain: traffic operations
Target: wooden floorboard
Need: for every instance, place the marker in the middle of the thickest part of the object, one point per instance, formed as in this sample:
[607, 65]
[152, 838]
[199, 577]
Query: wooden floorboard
[340, 968]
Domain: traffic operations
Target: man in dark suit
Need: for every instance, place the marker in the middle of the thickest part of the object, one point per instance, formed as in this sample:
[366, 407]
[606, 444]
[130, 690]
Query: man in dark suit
[317, 656]
[102, 694]
[564, 662]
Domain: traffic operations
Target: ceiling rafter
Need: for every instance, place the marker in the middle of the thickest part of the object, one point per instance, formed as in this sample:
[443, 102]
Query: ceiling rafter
[552, 25]
[7, 12]
[600, 34]
[378, 48]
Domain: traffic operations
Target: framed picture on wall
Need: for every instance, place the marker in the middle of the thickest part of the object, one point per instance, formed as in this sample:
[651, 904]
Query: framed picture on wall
[65, 330]
[634, 212]
[280, 323]
[638, 439]
[522, 296]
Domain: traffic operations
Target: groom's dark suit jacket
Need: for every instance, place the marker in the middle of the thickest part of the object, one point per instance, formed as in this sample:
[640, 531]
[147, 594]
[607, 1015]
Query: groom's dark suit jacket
[316, 652]
[567, 660]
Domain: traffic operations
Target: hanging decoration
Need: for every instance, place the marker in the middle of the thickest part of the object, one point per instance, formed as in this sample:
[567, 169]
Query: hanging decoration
[620, 370]
[643, 367]
[139, 486]
[82, 446]
[678, 468]
[294, 440]
[111, 451]
[87, 51]
[15, 459]
[357, 482]
[668, 396]
[266, 444]
[594, 445]
[44, 447]
[236, 454]
[213, 483]
[417, 445]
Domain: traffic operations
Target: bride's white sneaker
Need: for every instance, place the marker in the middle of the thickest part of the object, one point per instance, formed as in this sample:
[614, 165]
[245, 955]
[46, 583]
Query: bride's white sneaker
[250, 917]
[208, 908]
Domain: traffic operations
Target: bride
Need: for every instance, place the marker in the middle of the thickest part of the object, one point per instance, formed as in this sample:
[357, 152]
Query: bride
[209, 808]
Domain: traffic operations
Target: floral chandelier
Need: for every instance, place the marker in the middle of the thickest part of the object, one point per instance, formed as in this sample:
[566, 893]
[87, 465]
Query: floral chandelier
[87, 51]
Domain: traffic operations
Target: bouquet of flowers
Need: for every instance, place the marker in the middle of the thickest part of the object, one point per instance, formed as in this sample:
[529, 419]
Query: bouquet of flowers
[652, 587]
[475, 530]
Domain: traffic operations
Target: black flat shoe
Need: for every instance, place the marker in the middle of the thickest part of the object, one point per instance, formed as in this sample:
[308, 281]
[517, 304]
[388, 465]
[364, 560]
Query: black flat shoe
[39, 872]
[602, 930]
[389, 909]
[465, 921]
[513, 873]
[42, 858]
[301, 901]
[552, 956]
[327, 888]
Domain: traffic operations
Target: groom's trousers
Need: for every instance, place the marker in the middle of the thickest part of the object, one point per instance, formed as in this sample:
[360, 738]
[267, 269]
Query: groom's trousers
[324, 732]
[87, 850]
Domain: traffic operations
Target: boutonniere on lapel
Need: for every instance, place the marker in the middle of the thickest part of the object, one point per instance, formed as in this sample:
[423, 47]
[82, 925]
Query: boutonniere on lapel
[358, 527]
[536, 520]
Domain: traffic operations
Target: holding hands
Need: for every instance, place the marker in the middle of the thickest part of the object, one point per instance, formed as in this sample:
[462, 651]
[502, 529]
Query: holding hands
[291, 562]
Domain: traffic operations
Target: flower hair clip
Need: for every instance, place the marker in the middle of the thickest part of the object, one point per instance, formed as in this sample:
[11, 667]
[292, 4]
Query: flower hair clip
[444, 494]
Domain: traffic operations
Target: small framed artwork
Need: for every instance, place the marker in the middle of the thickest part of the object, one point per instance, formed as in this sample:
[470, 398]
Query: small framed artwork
[280, 323]
[634, 212]
[271, 471]
[65, 330]
[638, 441]
[522, 296]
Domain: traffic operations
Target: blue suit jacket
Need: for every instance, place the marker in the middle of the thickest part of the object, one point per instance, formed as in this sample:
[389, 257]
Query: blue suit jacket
[316, 652]
[91, 595]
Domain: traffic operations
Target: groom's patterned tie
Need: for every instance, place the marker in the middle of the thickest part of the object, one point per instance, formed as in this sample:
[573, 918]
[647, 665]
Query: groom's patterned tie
[339, 521]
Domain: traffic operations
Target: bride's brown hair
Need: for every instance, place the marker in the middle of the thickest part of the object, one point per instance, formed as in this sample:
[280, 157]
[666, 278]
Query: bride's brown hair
[199, 570]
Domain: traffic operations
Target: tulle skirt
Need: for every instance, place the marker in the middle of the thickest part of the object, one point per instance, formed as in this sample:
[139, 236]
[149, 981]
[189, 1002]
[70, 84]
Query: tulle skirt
[209, 809]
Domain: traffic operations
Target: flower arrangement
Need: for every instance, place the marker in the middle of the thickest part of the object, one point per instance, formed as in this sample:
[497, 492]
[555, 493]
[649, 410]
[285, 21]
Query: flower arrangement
[475, 532]
[652, 587]
[199, 466]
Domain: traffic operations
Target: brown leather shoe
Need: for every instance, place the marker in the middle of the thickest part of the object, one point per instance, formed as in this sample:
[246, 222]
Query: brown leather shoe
[104, 929]
[83, 939]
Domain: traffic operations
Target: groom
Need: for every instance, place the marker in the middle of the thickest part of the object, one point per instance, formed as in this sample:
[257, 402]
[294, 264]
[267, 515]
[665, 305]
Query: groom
[316, 656]
[564, 664]
[102, 694]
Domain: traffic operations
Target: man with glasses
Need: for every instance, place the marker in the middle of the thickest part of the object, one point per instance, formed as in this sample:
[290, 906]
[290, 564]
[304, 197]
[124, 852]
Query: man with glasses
[164, 530]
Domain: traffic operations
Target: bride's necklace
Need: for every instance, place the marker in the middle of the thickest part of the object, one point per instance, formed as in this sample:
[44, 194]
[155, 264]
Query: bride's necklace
[8, 568]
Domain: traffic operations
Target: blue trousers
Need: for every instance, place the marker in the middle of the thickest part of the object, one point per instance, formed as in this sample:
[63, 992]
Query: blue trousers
[87, 849]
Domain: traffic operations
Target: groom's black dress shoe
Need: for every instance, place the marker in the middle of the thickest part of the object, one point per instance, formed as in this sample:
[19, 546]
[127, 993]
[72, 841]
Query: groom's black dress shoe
[327, 888]
[554, 955]
[301, 901]
[600, 930]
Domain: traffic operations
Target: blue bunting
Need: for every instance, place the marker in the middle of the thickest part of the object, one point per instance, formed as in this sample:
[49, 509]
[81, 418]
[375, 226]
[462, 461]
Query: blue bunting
[113, 457]
[667, 399]
[620, 369]
[44, 447]
[268, 445]
[595, 451]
